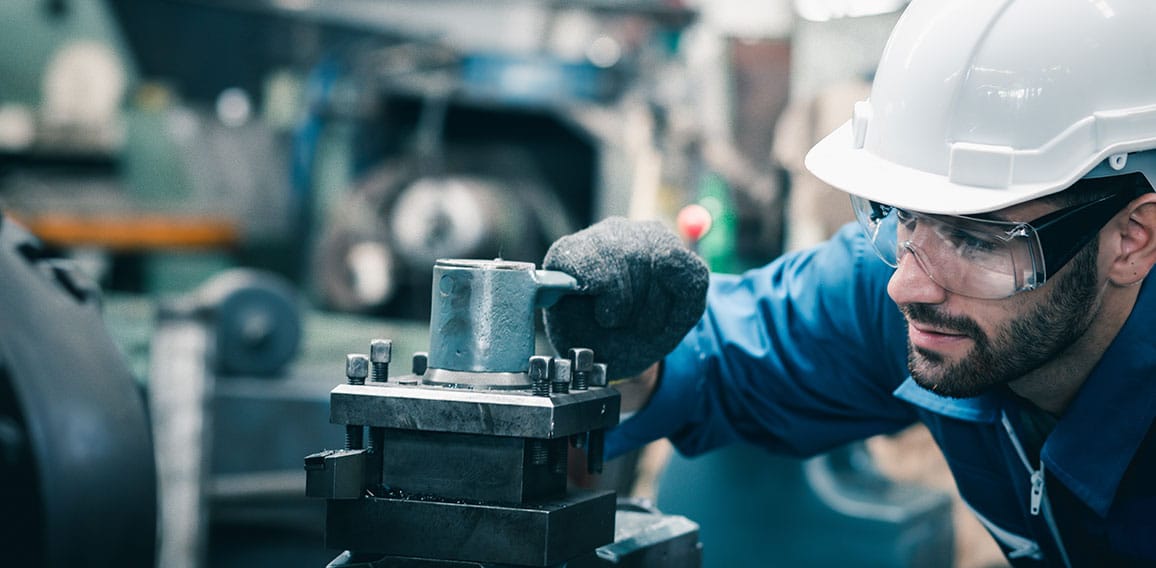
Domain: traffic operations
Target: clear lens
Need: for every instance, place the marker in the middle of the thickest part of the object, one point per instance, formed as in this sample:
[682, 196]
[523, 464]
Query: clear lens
[973, 257]
[879, 222]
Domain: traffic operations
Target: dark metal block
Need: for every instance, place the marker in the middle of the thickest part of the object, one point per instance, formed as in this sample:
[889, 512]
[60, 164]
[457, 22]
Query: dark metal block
[335, 474]
[650, 540]
[493, 413]
[466, 466]
[542, 534]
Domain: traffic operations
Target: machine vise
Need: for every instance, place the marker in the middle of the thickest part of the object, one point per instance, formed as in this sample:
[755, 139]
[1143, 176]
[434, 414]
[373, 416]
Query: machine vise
[463, 462]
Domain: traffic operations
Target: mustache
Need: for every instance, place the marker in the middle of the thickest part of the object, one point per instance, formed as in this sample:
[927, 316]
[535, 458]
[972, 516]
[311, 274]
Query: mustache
[930, 315]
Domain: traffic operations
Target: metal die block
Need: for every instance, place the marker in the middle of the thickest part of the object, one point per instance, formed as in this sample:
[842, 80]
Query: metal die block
[543, 534]
[490, 412]
[466, 466]
[335, 474]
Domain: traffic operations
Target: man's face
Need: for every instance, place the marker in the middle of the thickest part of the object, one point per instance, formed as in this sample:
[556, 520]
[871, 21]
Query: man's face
[960, 346]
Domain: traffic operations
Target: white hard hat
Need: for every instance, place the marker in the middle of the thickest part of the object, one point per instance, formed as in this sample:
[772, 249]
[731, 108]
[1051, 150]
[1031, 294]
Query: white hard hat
[981, 104]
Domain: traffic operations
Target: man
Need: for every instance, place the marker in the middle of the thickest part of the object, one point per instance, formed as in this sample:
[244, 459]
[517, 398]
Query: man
[995, 287]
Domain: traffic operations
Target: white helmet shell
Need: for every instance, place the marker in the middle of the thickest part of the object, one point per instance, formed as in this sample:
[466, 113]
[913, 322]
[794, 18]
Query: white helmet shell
[981, 104]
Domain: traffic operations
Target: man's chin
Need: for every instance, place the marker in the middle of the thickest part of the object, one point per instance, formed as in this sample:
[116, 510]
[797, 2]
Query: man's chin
[947, 388]
[942, 376]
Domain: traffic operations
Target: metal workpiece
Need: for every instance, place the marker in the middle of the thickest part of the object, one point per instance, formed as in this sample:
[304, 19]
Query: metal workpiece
[546, 533]
[335, 474]
[494, 413]
[482, 316]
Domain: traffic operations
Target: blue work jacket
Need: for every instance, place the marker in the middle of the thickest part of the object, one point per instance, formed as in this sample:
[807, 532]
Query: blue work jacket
[809, 353]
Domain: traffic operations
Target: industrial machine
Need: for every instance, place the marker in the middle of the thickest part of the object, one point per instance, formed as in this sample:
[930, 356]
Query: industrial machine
[79, 483]
[466, 458]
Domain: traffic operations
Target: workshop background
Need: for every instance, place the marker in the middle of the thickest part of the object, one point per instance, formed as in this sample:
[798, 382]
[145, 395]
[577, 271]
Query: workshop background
[250, 189]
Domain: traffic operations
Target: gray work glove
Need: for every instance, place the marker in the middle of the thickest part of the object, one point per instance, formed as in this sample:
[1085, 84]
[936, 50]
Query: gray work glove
[641, 291]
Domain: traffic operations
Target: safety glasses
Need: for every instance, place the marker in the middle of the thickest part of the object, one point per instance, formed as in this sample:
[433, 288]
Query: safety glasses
[986, 258]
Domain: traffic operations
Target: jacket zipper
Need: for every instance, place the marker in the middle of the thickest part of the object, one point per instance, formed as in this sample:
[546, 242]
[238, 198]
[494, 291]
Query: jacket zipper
[1038, 502]
[1020, 546]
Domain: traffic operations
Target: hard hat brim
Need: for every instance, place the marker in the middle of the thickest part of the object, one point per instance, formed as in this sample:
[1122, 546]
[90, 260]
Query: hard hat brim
[838, 162]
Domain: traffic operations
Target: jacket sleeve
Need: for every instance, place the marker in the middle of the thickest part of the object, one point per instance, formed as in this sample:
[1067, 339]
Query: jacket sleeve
[799, 357]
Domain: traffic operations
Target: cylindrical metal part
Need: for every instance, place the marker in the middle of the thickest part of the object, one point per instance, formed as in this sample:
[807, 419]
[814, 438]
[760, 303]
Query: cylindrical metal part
[560, 376]
[594, 451]
[356, 368]
[482, 317]
[380, 354]
[420, 362]
[583, 361]
[540, 375]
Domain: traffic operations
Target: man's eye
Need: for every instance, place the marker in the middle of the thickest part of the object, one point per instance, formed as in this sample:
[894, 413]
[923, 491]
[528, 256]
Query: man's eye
[968, 242]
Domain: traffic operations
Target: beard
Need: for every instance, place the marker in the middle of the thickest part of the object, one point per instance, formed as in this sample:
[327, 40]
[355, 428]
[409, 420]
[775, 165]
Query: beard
[1016, 348]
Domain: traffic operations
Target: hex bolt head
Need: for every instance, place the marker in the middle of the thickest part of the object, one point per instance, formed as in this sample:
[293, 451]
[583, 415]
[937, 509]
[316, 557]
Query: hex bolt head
[560, 376]
[540, 375]
[583, 360]
[356, 368]
[380, 350]
[380, 353]
[598, 375]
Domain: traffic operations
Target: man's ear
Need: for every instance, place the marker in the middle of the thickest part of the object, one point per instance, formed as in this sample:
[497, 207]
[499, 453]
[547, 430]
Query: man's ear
[1136, 253]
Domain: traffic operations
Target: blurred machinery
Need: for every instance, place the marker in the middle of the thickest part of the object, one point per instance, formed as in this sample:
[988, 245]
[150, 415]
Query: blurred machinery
[466, 459]
[454, 155]
[347, 145]
[79, 484]
[242, 323]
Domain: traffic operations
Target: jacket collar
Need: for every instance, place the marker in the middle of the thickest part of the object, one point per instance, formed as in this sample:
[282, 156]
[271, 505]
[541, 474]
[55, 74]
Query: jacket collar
[983, 408]
[1097, 438]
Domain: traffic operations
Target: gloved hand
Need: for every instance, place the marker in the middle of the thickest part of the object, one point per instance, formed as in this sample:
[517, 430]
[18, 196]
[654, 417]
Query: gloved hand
[641, 291]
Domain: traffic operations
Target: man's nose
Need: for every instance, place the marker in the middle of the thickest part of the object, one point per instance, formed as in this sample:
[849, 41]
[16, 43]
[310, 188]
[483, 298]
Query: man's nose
[910, 284]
